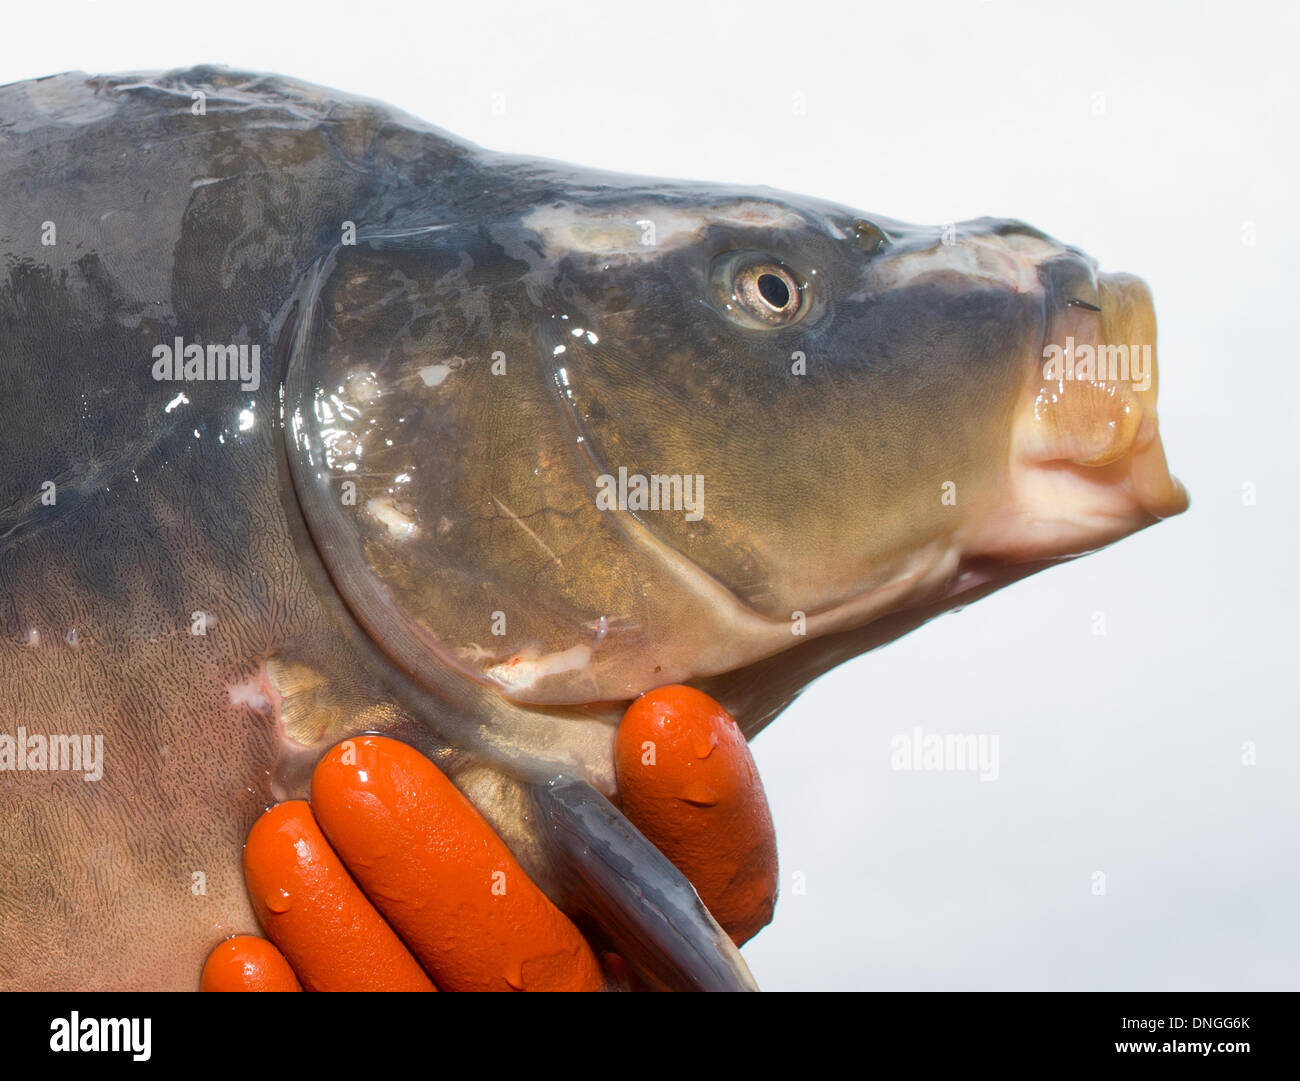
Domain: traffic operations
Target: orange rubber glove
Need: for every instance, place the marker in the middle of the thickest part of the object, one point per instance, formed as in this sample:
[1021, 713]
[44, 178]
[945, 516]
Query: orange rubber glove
[391, 880]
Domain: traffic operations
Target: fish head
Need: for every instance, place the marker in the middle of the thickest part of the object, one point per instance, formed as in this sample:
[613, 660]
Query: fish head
[613, 434]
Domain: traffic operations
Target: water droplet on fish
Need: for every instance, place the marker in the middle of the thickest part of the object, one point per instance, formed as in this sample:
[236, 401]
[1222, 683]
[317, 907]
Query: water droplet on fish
[278, 901]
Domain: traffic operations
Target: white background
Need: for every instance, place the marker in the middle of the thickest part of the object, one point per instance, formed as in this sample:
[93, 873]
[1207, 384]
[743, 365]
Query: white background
[1120, 754]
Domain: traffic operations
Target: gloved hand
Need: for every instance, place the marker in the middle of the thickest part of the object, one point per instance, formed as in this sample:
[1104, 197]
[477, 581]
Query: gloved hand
[391, 880]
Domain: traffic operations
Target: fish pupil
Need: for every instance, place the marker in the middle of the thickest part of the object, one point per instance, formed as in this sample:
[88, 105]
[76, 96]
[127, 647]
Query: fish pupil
[774, 290]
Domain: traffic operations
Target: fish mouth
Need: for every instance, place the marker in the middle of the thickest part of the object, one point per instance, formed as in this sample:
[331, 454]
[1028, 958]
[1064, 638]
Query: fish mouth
[1087, 463]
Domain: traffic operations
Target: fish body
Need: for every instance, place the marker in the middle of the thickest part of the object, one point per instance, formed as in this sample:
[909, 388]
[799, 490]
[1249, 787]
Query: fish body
[318, 420]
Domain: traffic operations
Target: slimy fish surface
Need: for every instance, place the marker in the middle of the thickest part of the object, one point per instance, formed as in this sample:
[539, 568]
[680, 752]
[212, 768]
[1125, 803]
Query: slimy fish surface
[318, 420]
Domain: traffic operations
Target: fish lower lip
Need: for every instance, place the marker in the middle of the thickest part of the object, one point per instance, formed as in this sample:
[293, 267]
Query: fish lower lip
[1160, 492]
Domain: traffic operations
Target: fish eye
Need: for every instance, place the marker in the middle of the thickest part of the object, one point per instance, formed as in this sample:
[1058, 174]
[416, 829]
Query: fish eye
[768, 291]
[758, 291]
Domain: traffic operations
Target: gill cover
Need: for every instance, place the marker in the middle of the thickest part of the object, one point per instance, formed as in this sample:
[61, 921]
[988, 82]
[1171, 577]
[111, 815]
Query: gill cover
[444, 478]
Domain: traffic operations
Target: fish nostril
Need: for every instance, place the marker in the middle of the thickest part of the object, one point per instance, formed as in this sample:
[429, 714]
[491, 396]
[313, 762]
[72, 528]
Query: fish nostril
[869, 236]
